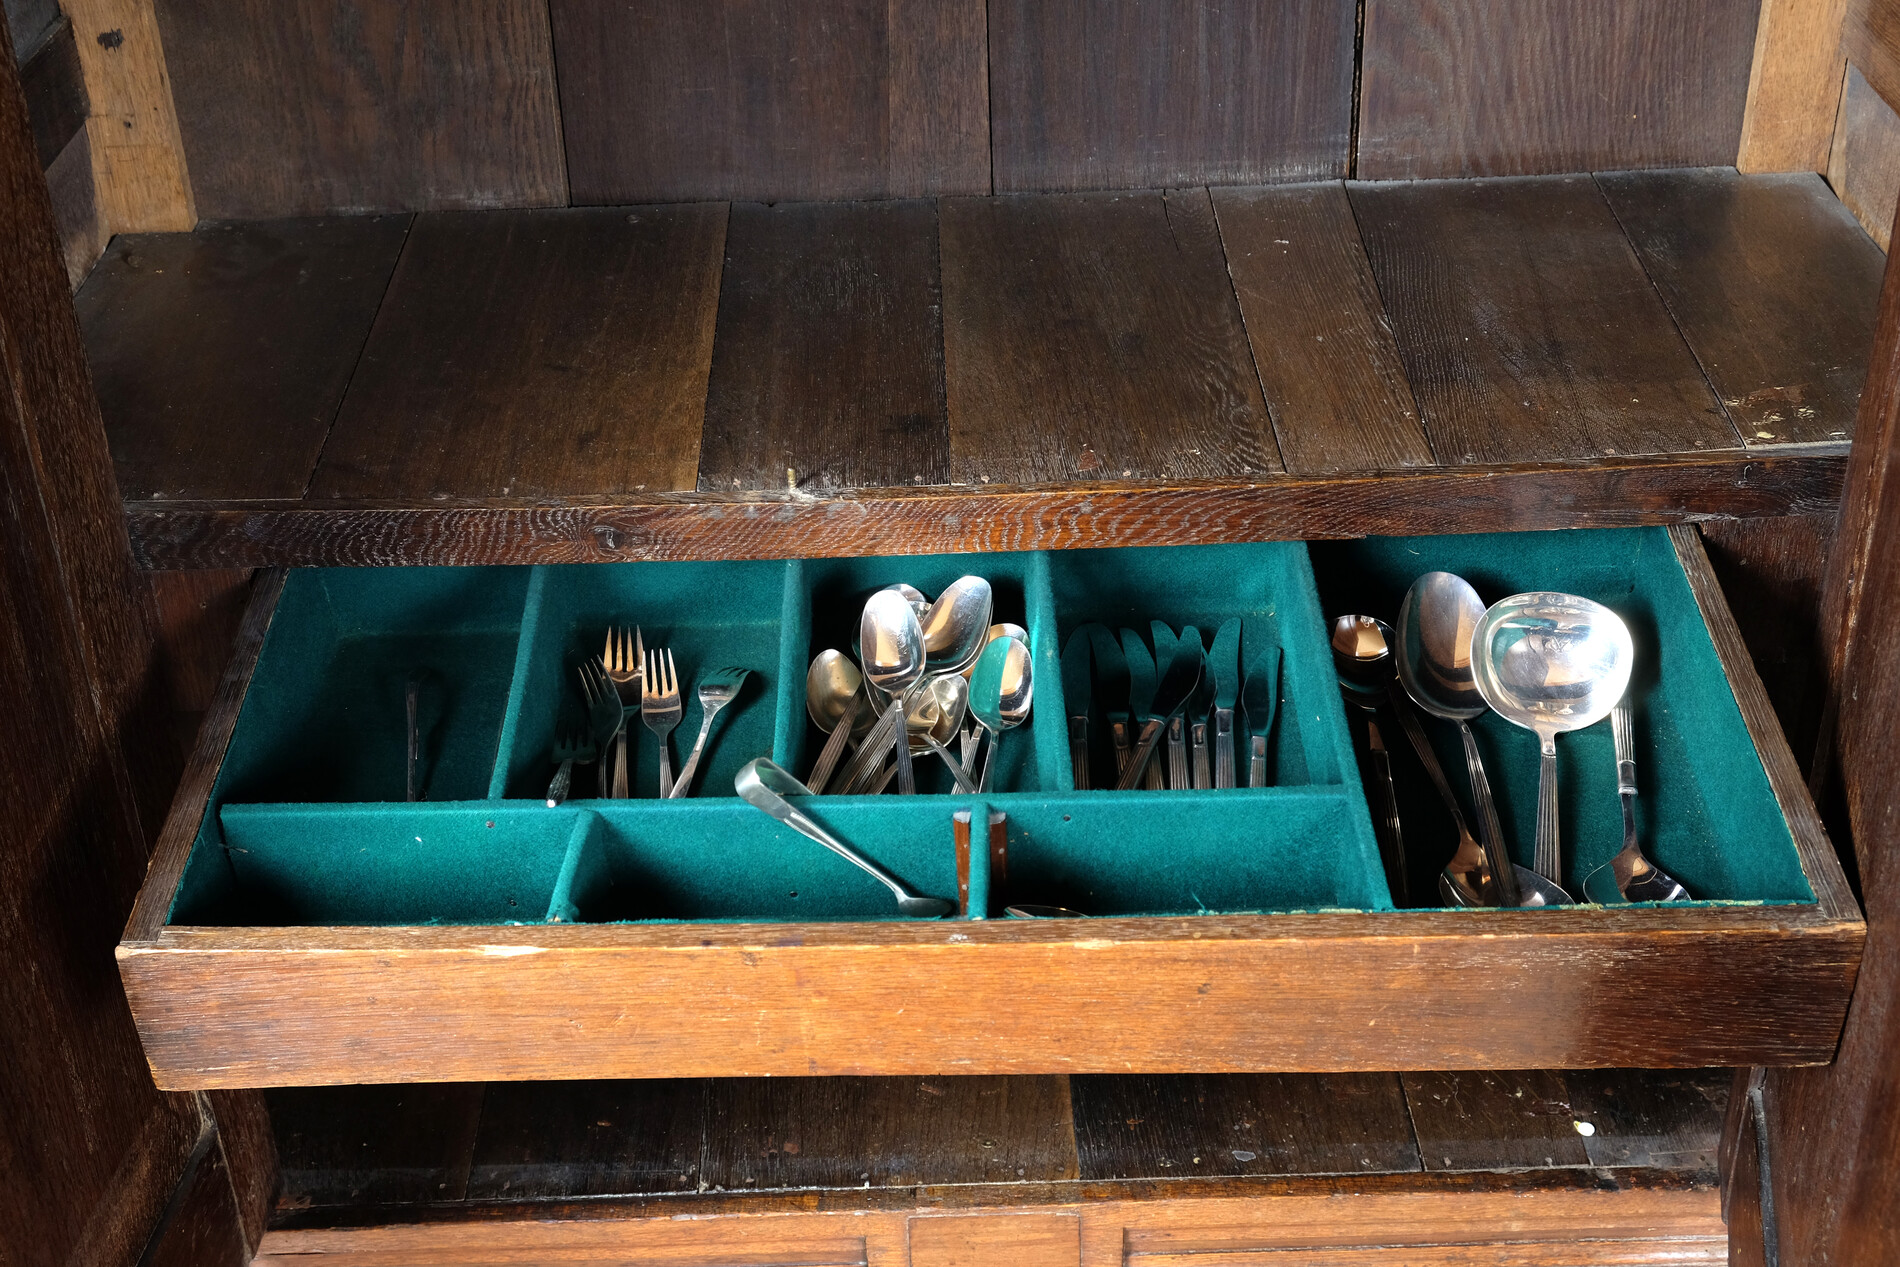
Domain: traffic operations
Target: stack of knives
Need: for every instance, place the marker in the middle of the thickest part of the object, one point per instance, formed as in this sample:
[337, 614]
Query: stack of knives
[1174, 691]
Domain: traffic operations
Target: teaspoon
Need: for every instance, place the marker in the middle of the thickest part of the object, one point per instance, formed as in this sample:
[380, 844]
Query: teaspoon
[891, 644]
[1001, 691]
[956, 626]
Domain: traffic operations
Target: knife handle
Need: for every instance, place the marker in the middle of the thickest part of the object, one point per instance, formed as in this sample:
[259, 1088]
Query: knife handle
[1197, 736]
[1223, 747]
[1079, 751]
[1177, 756]
[1257, 763]
[1118, 734]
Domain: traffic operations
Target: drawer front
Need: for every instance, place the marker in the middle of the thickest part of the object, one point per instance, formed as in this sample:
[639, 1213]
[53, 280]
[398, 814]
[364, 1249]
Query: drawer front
[303, 923]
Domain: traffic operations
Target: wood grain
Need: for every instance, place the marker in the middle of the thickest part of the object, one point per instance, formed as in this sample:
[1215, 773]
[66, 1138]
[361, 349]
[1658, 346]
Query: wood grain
[535, 354]
[55, 90]
[977, 1240]
[1527, 326]
[1515, 1119]
[221, 356]
[1773, 286]
[371, 1146]
[1471, 88]
[673, 100]
[1793, 86]
[550, 1140]
[82, 230]
[828, 361]
[1121, 95]
[1319, 335]
[1871, 38]
[202, 1228]
[301, 107]
[138, 151]
[249, 1151]
[1103, 327]
[1601, 494]
[1196, 1125]
[1864, 165]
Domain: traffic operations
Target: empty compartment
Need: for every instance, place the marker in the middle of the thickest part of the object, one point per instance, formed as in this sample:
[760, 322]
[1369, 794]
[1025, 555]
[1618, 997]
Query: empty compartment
[1704, 809]
[709, 615]
[326, 716]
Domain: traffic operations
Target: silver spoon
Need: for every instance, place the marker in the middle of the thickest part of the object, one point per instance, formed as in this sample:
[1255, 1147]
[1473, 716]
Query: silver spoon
[1362, 657]
[1031, 911]
[891, 646]
[836, 703]
[766, 785]
[1551, 663]
[935, 712]
[1637, 878]
[1001, 692]
[1436, 621]
[956, 626]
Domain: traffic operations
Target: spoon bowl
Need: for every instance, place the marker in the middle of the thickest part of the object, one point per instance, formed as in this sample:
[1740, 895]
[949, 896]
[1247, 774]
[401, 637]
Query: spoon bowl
[1001, 692]
[891, 642]
[956, 626]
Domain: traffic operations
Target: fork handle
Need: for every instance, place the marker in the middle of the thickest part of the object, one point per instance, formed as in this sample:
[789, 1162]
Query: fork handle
[621, 791]
[682, 785]
[557, 790]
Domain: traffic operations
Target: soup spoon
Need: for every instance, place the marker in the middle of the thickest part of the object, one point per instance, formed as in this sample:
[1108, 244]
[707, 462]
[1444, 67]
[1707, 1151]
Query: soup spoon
[956, 626]
[933, 713]
[1551, 663]
[836, 704]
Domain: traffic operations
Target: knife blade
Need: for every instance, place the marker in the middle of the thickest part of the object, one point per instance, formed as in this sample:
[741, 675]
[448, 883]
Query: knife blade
[1075, 697]
[1170, 700]
[1111, 690]
[1258, 698]
[1224, 663]
[1165, 641]
[1196, 719]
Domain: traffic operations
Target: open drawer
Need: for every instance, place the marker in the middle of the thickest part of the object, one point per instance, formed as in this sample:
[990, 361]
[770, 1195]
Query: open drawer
[303, 923]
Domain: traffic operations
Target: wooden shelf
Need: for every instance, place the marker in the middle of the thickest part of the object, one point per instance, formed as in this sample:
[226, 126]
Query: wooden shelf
[1153, 367]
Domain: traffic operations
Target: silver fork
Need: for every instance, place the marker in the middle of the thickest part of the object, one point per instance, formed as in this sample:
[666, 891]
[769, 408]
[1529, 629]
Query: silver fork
[569, 748]
[624, 659]
[660, 707]
[605, 715]
[716, 690]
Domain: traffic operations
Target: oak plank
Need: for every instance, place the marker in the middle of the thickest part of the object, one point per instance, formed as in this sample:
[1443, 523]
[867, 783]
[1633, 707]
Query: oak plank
[1528, 328]
[1095, 336]
[828, 360]
[1793, 86]
[221, 356]
[968, 1240]
[1493, 1120]
[1319, 335]
[548, 1140]
[1197, 1125]
[374, 1145]
[1125, 94]
[301, 107]
[1474, 88]
[1863, 168]
[138, 151]
[1668, 1120]
[1773, 286]
[676, 100]
[202, 1227]
[1870, 36]
[535, 353]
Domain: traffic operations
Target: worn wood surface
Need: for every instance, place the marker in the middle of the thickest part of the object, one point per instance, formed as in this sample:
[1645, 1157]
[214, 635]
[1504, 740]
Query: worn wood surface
[535, 354]
[82, 230]
[1871, 38]
[1773, 286]
[553, 1140]
[773, 99]
[249, 1153]
[1515, 1119]
[827, 368]
[55, 90]
[1793, 86]
[202, 1228]
[1472, 88]
[301, 107]
[375, 1145]
[967, 1240]
[278, 314]
[138, 152]
[1863, 167]
[1320, 340]
[1125, 94]
[1532, 330]
[1103, 326]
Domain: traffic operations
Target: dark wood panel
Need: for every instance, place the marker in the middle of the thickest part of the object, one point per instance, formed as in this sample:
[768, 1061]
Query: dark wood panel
[535, 354]
[1528, 328]
[673, 100]
[1669, 1120]
[82, 229]
[1864, 165]
[1096, 336]
[1124, 94]
[203, 1228]
[1320, 339]
[1602, 494]
[1510, 1119]
[1870, 35]
[548, 1140]
[299, 107]
[249, 1146]
[55, 93]
[1199, 1125]
[374, 1145]
[1473, 88]
[827, 369]
[220, 356]
[1773, 286]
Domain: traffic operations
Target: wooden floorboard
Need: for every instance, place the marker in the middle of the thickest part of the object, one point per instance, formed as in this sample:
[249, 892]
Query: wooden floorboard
[1773, 285]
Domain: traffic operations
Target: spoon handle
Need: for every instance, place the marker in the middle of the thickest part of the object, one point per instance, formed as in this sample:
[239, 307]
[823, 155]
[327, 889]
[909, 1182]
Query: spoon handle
[1392, 836]
[1549, 847]
[753, 788]
[1490, 831]
[1409, 723]
[834, 746]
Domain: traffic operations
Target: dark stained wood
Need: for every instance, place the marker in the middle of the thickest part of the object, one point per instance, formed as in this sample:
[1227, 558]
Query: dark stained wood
[202, 1229]
[1773, 286]
[1320, 339]
[220, 356]
[1870, 36]
[1471, 88]
[1126, 94]
[549, 1140]
[828, 360]
[30, 22]
[1670, 1120]
[1863, 167]
[300, 107]
[675, 100]
[887, 1132]
[82, 230]
[1741, 1195]
[1095, 337]
[1527, 327]
[246, 1140]
[55, 93]
[535, 354]
[363, 1146]
[1199, 1125]
[1515, 1119]
[1601, 494]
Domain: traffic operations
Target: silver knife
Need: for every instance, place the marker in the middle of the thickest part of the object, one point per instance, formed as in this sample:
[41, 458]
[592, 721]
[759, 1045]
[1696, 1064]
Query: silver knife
[1224, 663]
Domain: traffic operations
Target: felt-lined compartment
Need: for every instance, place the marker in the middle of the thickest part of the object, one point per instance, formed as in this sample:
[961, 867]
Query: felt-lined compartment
[1704, 809]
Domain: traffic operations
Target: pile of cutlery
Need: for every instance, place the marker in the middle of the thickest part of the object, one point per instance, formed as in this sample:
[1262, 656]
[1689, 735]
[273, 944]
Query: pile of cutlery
[1182, 693]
